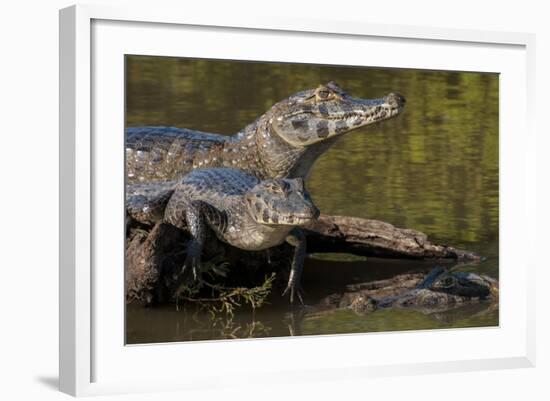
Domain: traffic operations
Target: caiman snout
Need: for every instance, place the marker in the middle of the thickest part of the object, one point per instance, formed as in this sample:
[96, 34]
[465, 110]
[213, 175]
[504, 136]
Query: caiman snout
[304, 209]
[316, 213]
[312, 213]
[305, 216]
[395, 99]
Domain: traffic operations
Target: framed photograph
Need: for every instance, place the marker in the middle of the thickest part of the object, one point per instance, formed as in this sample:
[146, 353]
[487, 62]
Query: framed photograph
[231, 191]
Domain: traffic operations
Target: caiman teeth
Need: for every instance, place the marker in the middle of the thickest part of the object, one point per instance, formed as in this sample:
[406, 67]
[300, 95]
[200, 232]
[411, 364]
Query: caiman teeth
[347, 116]
[302, 219]
[384, 112]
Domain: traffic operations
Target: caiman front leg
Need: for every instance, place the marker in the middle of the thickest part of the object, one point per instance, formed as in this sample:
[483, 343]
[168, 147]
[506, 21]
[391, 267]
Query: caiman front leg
[200, 216]
[297, 239]
[197, 228]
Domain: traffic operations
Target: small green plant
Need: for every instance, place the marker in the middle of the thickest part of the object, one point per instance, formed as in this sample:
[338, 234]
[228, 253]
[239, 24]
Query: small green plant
[223, 300]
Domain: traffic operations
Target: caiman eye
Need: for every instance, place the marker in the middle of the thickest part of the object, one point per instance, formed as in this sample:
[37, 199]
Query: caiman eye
[274, 188]
[324, 93]
[285, 186]
[447, 282]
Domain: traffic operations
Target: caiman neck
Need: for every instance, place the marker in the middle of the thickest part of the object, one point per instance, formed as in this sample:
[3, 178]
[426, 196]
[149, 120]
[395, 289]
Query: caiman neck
[277, 156]
[260, 151]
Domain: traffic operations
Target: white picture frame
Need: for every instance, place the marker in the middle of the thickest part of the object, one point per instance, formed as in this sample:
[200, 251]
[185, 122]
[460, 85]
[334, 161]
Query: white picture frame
[92, 353]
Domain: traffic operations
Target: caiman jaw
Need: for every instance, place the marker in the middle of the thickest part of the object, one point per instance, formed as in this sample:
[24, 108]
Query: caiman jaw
[329, 111]
[359, 111]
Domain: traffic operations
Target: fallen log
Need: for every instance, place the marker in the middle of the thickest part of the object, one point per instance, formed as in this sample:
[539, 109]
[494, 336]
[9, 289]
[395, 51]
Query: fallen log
[154, 257]
[367, 237]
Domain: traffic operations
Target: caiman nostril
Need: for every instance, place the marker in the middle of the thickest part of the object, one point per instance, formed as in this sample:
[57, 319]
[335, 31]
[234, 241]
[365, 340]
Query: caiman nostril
[396, 98]
[315, 213]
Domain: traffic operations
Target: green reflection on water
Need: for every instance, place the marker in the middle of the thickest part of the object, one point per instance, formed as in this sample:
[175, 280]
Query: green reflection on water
[434, 168]
[346, 321]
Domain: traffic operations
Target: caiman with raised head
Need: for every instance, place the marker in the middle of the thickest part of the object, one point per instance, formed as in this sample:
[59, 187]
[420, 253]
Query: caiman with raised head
[282, 143]
[237, 207]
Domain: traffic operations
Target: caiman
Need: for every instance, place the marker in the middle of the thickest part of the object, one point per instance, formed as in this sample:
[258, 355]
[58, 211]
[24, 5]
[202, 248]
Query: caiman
[441, 288]
[237, 207]
[284, 142]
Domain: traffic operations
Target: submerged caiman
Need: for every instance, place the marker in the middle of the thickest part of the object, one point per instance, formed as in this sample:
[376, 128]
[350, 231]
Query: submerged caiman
[282, 143]
[237, 207]
[440, 289]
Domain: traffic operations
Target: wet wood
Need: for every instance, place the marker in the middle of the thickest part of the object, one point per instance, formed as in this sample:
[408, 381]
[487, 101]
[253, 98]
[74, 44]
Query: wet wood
[154, 257]
[153, 260]
[377, 238]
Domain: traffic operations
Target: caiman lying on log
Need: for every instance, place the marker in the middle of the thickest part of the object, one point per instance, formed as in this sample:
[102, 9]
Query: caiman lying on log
[284, 142]
[441, 288]
[241, 210]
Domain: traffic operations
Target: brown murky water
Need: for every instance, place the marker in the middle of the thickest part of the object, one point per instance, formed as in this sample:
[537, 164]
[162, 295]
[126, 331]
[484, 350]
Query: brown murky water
[434, 168]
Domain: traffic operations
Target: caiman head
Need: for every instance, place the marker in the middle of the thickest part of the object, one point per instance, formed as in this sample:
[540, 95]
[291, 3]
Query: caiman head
[443, 288]
[281, 202]
[314, 115]
[462, 284]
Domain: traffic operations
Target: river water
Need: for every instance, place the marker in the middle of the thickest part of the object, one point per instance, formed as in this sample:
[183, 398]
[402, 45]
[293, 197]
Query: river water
[434, 168]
